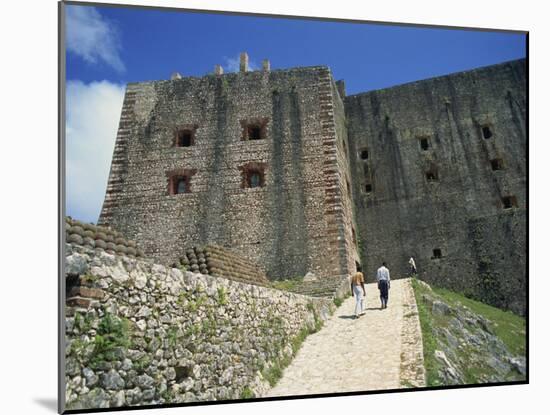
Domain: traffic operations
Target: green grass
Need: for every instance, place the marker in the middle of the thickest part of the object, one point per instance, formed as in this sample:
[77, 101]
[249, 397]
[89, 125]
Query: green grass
[429, 342]
[275, 371]
[172, 335]
[509, 327]
[113, 333]
[222, 296]
[247, 393]
[288, 284]
[297, 341]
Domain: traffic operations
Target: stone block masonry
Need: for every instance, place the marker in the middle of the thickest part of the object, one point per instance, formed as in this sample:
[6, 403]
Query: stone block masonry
[150, 334]
[217, 261]
[281, 167]
[439, 173]
[248, 161]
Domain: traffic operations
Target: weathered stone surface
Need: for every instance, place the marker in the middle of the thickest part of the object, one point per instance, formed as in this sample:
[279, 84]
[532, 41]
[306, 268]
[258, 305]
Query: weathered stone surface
[126, 364]
[519, 364]
[96, 398]
[144, 381]
[284, 214]
[188, 338]
[111, 380]
[118, 399]
[140, 279]
[441, 308]
[310, 276]
[142, 325]
[450, 374]
[76, 264]
[461, 213]
[90, 376]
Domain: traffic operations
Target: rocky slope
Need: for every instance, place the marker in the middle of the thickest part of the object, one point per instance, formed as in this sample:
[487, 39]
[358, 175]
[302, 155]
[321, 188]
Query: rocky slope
[467, 342]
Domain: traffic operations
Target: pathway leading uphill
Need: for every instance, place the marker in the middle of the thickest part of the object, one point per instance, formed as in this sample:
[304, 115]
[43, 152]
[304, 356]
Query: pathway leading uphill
[380, 350]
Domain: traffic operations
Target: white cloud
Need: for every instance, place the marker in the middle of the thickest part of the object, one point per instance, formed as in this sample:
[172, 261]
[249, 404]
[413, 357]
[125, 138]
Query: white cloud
[233, 64]
[92, 37]
[93, 112]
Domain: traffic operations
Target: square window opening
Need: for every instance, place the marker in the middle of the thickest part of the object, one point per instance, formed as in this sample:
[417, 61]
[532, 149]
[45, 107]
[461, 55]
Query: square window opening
[253, 175]
[509, 202]
[254, 132]
[368, 188]
[431, 176]
[180, 184]
[254, 129]
[424, 144]
[437, 253]
[254, 179]
[185, 138]
[497, 164]
[364, 154]
[179, 181]
[486, 131]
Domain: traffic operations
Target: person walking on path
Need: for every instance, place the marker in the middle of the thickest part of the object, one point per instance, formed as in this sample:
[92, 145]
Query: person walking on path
[383, 279]
[358, 290]
[412, 264]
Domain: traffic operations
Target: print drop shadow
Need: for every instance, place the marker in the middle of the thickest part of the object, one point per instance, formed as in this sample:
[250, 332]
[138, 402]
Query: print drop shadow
[48, 403]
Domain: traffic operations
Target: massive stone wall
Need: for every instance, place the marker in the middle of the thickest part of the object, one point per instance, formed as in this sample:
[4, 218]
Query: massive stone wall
[299, 221]
[433, 164]
[415, 170]
[339, 190]
[141, 333]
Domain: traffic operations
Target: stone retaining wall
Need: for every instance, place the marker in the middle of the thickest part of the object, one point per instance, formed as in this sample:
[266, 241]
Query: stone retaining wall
[141, 333]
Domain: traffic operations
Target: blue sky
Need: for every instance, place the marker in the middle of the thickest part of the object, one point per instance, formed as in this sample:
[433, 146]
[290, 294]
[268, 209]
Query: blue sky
[108, 47]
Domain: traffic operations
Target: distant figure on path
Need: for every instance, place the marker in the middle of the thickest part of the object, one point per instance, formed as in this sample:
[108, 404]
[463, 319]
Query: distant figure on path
[383, 278]
[358, 290]
[413, 266]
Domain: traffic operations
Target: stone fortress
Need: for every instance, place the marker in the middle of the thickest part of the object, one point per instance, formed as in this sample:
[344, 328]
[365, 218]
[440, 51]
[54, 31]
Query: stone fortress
[284, 169]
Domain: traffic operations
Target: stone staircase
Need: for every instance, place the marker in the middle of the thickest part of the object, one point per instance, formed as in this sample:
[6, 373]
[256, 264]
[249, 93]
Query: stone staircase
[322, 287]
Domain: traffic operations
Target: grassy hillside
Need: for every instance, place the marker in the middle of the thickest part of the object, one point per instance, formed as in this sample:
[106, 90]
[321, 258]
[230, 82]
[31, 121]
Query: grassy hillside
[468, 342]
